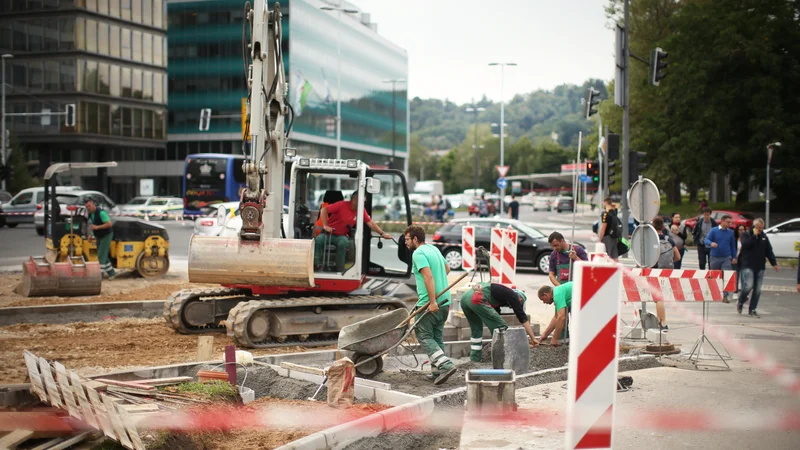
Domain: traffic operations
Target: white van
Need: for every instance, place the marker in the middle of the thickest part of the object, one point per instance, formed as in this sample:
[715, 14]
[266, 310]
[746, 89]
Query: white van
[27, 202]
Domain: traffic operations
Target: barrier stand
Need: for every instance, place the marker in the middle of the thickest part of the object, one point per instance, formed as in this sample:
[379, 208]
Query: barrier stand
[697, 349]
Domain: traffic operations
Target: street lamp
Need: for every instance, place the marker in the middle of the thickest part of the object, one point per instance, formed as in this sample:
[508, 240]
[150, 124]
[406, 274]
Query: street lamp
[502, 121]
[339, 10]
[3, 116]
[394, 82]
[475, 109]
[770, 148]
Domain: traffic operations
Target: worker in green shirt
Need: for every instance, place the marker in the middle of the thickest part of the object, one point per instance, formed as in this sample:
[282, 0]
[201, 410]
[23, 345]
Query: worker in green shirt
[430, 270]
[481, 305]
[100, 224]
[562, 297]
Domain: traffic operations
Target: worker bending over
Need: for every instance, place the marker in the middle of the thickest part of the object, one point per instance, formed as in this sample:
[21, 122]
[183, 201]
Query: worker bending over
[562, 297]
[481, 305]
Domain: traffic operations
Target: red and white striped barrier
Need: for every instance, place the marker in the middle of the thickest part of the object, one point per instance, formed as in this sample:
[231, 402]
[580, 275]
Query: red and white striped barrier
[509, 266]
[496, 254]
[657, 289]
[468, 248]
[593, 353]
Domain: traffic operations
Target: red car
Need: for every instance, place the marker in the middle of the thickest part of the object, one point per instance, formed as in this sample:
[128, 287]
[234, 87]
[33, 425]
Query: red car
[739, 218]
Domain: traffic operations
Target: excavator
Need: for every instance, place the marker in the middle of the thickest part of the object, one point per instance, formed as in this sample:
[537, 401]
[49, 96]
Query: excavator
[271, 293]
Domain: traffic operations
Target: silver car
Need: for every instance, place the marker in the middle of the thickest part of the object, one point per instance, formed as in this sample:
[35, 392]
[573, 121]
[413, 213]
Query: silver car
[22, 207]
[77, 198]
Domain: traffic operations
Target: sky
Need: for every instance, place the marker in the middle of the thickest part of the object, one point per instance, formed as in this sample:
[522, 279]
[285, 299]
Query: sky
[451, 42]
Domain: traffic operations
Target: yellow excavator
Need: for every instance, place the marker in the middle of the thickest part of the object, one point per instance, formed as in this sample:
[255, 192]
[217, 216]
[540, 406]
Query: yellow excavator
[272, 293]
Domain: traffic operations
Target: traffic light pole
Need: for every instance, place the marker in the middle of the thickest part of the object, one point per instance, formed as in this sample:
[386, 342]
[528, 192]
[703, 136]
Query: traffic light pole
[626, 131]
[3, 119]
[606, 187]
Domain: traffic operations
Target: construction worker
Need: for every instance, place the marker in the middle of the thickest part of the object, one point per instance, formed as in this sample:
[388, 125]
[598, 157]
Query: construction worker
[562, 297]
[100, 225]
[481, 305]
[430, 270]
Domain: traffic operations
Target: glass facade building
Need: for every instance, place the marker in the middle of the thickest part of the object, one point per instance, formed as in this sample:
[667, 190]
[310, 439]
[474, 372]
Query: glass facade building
[206, 70]
[109, 58]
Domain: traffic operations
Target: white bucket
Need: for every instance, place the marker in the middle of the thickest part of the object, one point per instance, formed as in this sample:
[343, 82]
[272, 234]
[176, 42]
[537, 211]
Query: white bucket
[247, 394]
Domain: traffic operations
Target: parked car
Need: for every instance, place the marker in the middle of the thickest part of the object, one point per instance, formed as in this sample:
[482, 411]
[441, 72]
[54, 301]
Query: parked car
[5, 197]
[230, 226]
[163, 207]
[135, 205]
[527, 199]
[27, 202]
[475, 210]
[542, 204]
[533, 250]
[210, 224]
[565, 204]
[783, 237]
[739, 218]
[77, 198]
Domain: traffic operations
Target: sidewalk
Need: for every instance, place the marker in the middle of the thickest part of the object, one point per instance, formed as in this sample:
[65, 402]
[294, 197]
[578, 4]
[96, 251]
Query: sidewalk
[583, 216]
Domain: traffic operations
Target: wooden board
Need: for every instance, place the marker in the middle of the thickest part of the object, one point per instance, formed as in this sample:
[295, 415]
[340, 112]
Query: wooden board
[16, 437]
[164, 381]
[37, 386]
[130, 426]
[205, 348]
[116, 421]
[100, 412]
[66, 391]
[304, 369]
[83, 402]
[130, 384]
[53, 393]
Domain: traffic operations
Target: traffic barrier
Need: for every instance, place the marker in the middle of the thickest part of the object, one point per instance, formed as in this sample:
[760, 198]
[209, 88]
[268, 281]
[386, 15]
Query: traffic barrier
[509, 266]
[496, 254]
[656, 289]
[468, 247]
[593, 353]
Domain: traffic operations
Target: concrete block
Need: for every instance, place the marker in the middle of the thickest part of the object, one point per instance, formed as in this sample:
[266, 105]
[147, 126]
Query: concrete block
[450, 333]
[364, 392]
[510, 350]
[369, 426]
[458, 320]
[655, 335]
[632, 333]
[372, 383]
[316, 379]
[316, 441]
[394, 417]
[394, 398]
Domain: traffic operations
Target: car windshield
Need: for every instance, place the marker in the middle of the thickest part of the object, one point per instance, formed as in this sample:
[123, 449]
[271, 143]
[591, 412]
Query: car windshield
[532, 232]
[159, 202]
[67, 199]
[138, 201]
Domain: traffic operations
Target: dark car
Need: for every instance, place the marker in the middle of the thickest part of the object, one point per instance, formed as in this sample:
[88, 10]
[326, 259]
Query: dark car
[565, 204]
[533, 250]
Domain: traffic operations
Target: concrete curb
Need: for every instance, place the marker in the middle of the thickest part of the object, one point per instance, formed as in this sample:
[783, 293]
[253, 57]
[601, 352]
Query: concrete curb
[72, 312]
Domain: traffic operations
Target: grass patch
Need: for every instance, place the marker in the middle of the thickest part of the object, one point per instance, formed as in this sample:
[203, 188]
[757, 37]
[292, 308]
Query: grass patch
[213, 390]
[787, 262]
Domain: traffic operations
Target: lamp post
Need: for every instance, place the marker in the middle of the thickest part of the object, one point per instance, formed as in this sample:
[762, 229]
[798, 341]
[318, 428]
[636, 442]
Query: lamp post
[475, 109]
[770, 148]
[339, 10]
[394, 82]
[502, 123]
[3, 116]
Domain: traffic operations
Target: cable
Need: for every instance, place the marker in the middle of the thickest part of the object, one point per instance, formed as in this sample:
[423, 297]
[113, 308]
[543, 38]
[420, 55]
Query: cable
[291, 121]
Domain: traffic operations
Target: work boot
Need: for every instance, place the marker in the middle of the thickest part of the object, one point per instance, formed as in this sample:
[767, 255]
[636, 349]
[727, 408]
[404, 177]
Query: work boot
[444, 376]
[754, 315]
[739, 307]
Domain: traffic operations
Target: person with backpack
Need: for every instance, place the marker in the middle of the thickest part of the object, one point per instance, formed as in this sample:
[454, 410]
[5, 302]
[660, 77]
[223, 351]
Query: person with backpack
[609, 231]
[483, 207]
[667, 257]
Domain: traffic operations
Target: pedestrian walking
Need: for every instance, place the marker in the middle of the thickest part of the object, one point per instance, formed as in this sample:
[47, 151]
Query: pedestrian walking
[680, 244]
[738, 233]
[513, 208]
[430, 271]
[668, 255]
[609, 231]
[699, 233]
[396, 207]
[100, 225]
[483, 207]
[756, 249]
[723, 248]
[563, 257]
[562, 297]
[481, 305]
[680, 235]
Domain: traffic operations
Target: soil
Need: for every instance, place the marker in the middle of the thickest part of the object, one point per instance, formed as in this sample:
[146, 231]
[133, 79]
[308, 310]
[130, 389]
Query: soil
[99, 347]
[128, 286]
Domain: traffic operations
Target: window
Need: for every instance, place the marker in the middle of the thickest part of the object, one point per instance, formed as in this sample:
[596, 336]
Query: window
[126, 43]
[23, 199]
[113, 8]
[92, 118]
[67, 70]
[116, 87]
[36, 75]
[20, 74]
[113, 41]
[102, 7]
[51, 75]
[125, 8]
[82, 114]
[35, 36]
[147, 85]
[66, 28]
[137, 46]
[147, 12]
[5, 35]
[104, 79]
[102, 38]
[20, 108]
[91, 35]
[137, 83]
[20, 38]
[126, 82]
[90, 77]
[91, 5]
[80, 33]
[158, 89]
[157, 54]
[147, 48]
[116, 121]
[159, 126]
[127, 117]
[50, 32]
[137, 122]
[148, 124]
[137, 11]
[103, 111]
[158, 10]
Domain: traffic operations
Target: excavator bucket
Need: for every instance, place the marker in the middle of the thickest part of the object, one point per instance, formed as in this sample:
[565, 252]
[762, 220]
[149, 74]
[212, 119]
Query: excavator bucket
[72, 278]
[270, 262]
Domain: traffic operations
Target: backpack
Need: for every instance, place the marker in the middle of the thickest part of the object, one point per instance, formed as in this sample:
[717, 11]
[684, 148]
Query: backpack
[665, 256]
[613, 226]
[484, 208]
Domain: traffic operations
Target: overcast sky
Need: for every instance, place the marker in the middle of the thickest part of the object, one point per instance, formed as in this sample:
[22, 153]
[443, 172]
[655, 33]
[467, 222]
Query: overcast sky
[451, 42]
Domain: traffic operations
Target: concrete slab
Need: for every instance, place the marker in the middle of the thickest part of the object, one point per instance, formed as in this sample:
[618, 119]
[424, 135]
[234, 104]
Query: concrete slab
[655, 389]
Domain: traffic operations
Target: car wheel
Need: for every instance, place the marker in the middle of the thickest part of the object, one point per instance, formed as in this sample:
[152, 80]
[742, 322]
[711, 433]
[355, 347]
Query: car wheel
[453, 258]
[543, 262]
[40, 231]
[12, 225]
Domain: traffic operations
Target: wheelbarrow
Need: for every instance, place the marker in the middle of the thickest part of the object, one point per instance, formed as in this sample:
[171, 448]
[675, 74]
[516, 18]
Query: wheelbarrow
[372, 338]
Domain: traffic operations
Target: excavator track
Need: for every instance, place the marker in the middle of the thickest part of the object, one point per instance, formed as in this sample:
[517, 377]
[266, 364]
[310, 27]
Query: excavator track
[250, 322]
[175, 307]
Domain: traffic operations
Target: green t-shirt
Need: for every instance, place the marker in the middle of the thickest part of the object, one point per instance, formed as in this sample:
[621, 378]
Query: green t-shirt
[562, 296]
[429, 256]
[103, 217]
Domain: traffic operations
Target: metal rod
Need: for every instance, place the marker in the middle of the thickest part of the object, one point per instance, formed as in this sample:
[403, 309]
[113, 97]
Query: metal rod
[626, 131]
[3, 120]
[575, 185]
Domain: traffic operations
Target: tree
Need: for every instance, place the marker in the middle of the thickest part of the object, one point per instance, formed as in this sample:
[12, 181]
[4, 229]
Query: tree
[18, 161]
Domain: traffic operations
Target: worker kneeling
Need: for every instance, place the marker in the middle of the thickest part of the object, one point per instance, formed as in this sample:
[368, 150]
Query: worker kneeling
[481, 305]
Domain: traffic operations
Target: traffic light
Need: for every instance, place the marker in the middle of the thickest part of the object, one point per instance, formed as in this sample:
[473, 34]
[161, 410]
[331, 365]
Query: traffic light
[593, 171]
[69, 118]
[205, 119]
[591, 101]
[657, 66]
[612, 172]
[7, 172]
[637, 164]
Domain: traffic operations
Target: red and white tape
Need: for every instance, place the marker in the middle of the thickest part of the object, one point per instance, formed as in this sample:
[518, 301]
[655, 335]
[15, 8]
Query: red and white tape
[17, 213]
[468, 248]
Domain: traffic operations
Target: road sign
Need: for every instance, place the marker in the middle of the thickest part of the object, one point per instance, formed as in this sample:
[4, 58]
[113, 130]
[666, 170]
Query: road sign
[644, 200]
[502, 170]
[585, 178]
[644, 245]
[502, 183]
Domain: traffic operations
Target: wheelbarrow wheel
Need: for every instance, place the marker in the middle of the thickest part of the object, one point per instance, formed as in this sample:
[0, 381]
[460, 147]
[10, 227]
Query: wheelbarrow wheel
[369, 369]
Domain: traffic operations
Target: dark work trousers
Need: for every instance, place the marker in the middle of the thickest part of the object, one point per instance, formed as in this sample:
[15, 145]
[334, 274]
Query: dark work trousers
[703, 254]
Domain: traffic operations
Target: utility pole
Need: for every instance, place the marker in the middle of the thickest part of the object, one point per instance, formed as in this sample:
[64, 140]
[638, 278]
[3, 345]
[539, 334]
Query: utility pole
[3, 116]
[770, 148]
[502, 123]
[474, 109]
[626, 126]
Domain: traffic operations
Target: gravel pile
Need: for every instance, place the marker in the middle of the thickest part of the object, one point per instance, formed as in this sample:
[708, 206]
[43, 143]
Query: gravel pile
[265, 382]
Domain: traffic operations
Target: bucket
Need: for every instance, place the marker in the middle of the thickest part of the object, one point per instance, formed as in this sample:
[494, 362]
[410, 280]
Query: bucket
[490, 392]
[247, 394]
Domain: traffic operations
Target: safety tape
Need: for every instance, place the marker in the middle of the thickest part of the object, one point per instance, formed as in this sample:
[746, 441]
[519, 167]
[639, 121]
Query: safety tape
[17, 213]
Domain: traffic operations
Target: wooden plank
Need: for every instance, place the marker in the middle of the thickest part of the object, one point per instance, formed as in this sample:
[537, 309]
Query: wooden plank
[37, 386]
[116, 421]
[165, 381]
[53, 393]
[130, 384]
[16, 437]
[66, 390]
[149, 407]
[205, 348]
[100, 412]
[49, 444]
[304, 369]
[130, 423]
[83, 402]
[73, 440]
